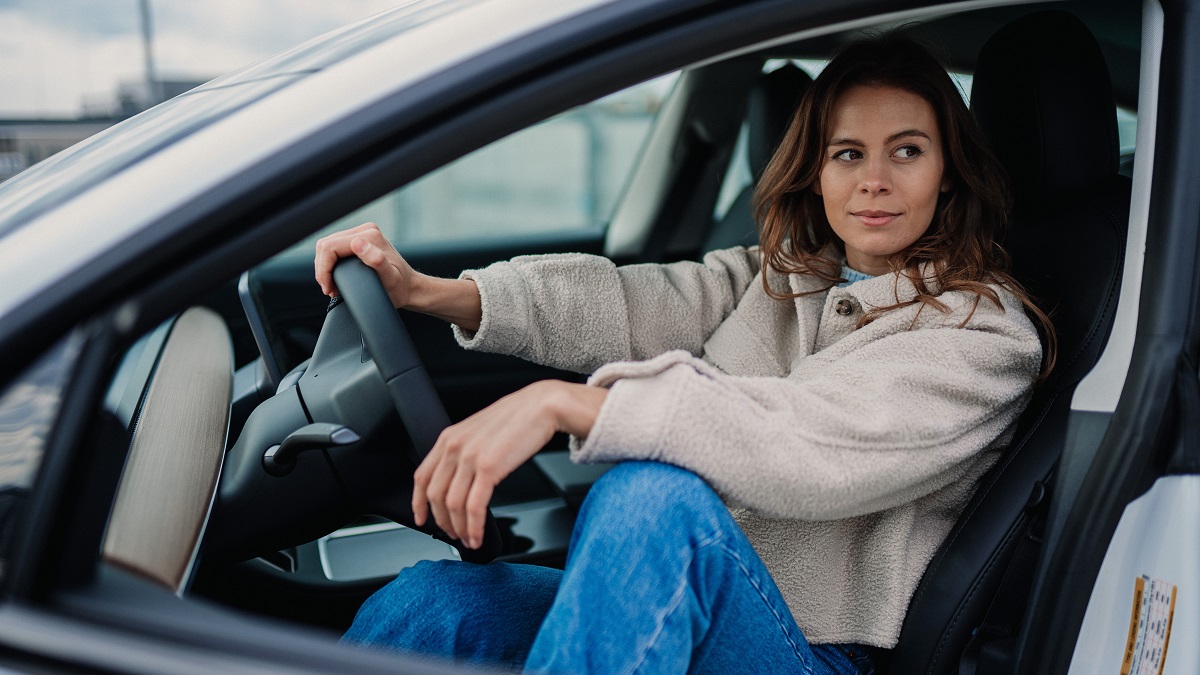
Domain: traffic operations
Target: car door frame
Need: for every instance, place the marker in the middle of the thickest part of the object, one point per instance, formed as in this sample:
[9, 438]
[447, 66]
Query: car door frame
[373, 152]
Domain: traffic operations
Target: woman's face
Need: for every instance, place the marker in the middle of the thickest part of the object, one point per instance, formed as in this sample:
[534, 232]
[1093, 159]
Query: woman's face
[881, 174]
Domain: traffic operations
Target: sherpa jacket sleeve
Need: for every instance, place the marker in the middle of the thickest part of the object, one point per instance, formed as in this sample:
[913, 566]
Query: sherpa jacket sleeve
[886, 423]
[578, 312]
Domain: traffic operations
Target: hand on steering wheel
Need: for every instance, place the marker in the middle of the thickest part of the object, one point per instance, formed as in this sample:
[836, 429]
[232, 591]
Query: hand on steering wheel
[459, 466]
[453, 300]
[412, 392]
[368, 243]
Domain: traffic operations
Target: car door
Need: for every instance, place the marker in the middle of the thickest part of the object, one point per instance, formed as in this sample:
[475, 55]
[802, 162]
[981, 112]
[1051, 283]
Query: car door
[1115, 587]
[65, 609]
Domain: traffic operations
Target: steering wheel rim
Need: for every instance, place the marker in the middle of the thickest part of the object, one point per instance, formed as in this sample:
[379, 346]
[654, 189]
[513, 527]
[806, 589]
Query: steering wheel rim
[387, 341]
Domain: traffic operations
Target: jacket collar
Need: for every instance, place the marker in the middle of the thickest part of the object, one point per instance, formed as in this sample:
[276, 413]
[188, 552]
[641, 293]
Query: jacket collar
[881, 291]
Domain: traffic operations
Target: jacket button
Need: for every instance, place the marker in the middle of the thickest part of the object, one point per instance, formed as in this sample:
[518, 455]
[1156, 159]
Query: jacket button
[843, 307]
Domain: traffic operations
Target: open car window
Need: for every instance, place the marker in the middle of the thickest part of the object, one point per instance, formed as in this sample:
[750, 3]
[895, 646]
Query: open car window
[561, 175]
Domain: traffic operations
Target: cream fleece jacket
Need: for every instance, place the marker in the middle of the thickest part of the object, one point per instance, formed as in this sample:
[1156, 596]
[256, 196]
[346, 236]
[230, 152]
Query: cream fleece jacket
[846, 454]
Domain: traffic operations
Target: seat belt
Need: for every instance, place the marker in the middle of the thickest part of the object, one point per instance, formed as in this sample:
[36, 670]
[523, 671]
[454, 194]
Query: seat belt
[1003, 617]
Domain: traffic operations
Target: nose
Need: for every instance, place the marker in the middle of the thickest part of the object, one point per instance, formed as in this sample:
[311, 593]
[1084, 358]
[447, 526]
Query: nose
[874, 178]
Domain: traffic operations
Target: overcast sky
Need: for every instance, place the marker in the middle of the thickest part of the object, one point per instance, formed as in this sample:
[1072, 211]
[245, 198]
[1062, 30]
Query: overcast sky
[57, 54]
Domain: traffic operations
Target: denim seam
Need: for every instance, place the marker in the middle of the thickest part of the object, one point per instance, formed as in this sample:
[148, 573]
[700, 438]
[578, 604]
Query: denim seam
[675, 600]
[678, 597]
[766, 601]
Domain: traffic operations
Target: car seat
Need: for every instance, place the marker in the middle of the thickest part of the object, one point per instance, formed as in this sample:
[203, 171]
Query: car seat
[1043, 96]
[768, 113]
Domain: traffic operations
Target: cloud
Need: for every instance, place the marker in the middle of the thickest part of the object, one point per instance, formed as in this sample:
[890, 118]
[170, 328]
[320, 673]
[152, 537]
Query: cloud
[79, 17]
[46, 71]
[56, 55]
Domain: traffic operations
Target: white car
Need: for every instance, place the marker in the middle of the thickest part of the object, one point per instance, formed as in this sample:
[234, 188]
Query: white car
[203, 467]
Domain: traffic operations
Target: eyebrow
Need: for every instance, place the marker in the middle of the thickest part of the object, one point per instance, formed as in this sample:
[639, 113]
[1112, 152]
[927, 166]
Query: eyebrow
[893, 137]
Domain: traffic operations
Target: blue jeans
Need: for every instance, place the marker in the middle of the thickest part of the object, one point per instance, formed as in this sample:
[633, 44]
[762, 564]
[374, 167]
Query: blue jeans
[659, 579]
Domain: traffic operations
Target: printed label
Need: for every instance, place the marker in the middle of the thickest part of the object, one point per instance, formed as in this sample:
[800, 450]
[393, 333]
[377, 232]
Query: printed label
[1149, 627]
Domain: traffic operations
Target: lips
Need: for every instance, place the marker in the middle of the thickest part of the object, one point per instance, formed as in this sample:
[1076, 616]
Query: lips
[875, 218]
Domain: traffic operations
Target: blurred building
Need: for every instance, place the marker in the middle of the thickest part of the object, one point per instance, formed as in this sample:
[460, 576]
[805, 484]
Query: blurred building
[25, 142]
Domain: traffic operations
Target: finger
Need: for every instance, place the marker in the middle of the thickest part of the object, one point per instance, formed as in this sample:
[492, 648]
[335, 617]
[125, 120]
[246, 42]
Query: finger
[374, 257]
[323, 261]
[332, 247]
[356, 230]
[420, 499]
[328, 251]
[477, 504]
[420, 503]
[386, 267]
[456, 499]
[439, 483]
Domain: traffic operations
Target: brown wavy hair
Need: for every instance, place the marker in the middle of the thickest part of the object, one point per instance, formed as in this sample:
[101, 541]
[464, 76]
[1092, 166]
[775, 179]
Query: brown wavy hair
[961, 250]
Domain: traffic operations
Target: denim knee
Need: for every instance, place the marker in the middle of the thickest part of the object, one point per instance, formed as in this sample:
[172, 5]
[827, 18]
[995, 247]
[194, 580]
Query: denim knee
[486, 614]
[401, 604]
[653, 495]
[445, 587]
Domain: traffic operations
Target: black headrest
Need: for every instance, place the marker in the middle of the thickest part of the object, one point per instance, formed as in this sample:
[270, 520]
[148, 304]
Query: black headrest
[769, 112]
[1044, 98]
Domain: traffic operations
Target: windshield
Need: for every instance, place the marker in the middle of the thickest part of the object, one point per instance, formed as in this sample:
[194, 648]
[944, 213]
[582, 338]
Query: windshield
[74, 170]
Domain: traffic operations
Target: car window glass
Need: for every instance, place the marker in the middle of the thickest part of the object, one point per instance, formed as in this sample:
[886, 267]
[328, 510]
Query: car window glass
[738, 175]
[1126, 129]
[28, 406]
[563, 174]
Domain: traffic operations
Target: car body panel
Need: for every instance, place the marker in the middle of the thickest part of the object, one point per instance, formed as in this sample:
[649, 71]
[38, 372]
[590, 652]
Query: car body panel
[165, 204]
[1154, 550]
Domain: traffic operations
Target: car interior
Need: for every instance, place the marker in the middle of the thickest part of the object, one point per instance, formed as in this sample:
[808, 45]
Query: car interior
[309, 463]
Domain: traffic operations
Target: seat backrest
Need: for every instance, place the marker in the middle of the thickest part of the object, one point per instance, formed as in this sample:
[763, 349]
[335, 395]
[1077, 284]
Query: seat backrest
[768, 113]
[1043, 97]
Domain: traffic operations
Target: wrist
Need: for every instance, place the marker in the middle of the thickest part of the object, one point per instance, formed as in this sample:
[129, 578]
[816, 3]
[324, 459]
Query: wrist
[574, 407]
[422, 292]
[453, 300]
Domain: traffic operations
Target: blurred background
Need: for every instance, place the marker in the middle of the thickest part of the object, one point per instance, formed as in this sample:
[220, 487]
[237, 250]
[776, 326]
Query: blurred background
[71, 68]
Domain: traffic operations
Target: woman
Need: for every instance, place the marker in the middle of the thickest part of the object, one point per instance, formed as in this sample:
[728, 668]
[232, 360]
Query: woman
[842, 388]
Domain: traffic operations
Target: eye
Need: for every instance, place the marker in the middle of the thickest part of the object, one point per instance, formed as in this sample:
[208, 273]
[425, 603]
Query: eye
[908, 152]
[847, 155]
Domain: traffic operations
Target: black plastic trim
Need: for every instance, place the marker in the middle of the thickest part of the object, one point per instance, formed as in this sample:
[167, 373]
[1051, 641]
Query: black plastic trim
[127, 625]
[56, 505]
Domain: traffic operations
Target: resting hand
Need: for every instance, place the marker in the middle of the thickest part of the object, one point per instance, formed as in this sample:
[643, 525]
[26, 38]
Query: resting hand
[457, 478]
[371, 247]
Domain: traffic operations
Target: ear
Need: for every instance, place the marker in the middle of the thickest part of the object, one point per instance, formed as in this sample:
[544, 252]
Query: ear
[816, 188]
[946, 185]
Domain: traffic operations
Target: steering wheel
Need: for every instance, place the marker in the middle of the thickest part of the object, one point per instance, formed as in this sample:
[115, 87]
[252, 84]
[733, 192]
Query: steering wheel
[387, 342]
